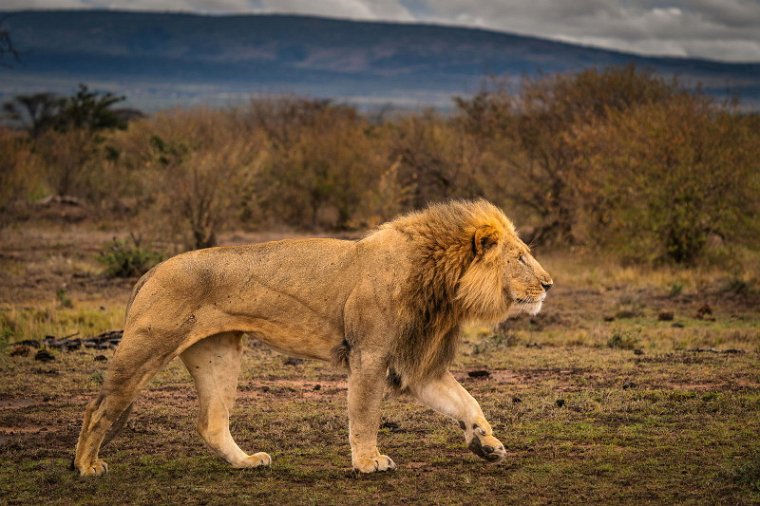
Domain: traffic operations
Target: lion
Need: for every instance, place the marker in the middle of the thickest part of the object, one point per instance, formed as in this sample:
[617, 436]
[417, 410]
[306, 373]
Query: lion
[388, 308]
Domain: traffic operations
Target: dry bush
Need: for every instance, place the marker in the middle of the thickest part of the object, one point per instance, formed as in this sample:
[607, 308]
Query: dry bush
[19, 173]
[321, 163]
[196, 164]
[592, 159]
[670, 178]
[526, 137]
[437, 161]
[70, 158]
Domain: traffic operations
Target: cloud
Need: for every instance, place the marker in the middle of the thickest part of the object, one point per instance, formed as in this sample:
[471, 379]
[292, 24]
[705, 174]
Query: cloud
[717, 29]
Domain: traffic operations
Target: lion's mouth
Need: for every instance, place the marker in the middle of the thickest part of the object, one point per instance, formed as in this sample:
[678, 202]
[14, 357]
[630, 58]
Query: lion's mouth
[530, 300]
[527, 305]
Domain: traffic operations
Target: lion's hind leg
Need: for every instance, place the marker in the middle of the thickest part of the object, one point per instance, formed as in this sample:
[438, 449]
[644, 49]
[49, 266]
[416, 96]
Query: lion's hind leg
[131, 368]
[214, 364]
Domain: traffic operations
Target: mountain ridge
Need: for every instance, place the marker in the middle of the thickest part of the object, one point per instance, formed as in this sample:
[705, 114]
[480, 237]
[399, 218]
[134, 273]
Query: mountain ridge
[165, 59]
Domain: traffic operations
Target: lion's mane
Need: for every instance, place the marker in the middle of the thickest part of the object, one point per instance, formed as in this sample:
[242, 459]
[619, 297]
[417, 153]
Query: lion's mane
[454, 279]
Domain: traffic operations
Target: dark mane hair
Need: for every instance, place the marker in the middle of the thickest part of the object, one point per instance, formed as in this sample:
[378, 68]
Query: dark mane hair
[453, 280]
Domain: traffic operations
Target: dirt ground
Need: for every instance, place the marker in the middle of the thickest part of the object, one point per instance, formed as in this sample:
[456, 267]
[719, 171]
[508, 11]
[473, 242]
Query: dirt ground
[633, 386]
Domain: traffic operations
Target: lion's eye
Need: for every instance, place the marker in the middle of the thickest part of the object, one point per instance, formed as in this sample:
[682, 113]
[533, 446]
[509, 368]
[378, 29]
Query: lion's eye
[522, 260]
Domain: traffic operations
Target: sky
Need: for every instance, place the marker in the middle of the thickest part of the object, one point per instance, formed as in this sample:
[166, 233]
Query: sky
[726, 30]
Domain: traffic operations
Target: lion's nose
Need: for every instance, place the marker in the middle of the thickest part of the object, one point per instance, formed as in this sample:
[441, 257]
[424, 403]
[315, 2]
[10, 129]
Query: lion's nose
[548, 286]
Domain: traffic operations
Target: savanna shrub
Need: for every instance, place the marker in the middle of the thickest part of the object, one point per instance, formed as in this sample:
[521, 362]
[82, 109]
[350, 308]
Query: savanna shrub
[125, 259]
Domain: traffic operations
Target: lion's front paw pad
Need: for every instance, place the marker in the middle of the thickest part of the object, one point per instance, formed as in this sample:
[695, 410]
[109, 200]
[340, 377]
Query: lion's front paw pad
[375, 464]
[256, 460]
[95, 469]
[488, 448]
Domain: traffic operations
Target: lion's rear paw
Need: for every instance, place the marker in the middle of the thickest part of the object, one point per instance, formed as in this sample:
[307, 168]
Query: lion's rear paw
[95, 469]
[375, 464]
[255, 460]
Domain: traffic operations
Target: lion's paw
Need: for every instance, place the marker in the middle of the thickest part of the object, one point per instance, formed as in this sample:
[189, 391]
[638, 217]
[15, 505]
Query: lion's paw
[95, 469]
[255, 460]
[374, 464]
[487, 447]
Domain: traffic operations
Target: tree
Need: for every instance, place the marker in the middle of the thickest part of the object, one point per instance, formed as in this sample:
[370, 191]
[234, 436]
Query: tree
[670, 176]
[201, 161]
[37, 112]
[7, 49]
[69, 136]
[90, 110]
[321, 161]
[530, 133]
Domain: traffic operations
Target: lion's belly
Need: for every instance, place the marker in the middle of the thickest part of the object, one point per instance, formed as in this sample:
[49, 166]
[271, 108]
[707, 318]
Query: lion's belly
[296, 344]
[296, 322]
[299, 337]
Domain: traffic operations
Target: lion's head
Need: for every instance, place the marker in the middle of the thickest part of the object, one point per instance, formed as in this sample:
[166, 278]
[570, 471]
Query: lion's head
[470, 265]
[502, 277]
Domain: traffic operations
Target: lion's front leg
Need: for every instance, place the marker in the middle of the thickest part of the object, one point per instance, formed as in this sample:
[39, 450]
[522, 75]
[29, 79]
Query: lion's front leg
[448, 397]
[365, 393]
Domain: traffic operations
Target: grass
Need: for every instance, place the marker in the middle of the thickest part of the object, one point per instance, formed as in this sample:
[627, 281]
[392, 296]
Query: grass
[597, 401]
[60, 320]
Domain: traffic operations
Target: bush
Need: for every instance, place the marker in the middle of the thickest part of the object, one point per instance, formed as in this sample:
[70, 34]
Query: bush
[19, 170]
[668, 178]
[622, 341]
[615, 159]
[124, 260]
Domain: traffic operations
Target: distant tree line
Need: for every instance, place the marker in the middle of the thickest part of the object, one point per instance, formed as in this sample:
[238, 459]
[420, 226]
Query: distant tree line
[617, 159]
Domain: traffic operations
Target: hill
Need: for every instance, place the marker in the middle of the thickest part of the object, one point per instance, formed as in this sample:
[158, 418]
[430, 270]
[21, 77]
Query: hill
[164, 59]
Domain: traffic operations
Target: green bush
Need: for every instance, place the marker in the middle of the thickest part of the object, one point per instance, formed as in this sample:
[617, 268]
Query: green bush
[124, 260]
[623, 341]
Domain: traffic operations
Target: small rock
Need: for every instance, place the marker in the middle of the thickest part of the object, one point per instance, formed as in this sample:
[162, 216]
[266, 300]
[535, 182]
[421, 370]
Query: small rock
[516, 400]
[44, 356]
[20, 351]
[100, 358]
[560, 403]
[638, 351]
[534, 345]
[703, 311]
[391, 426]
[480, 373]
[665, 316]
[629, 384]
[678, 325]
[293, 361]
[609, 318]
[317, 387]
[29, 342]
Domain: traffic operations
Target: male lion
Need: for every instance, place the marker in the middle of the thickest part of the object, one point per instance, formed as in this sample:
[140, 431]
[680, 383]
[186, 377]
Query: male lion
[389, 307]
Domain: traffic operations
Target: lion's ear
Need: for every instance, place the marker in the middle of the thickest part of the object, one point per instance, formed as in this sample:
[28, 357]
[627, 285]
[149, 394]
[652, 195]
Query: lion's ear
[485, 238]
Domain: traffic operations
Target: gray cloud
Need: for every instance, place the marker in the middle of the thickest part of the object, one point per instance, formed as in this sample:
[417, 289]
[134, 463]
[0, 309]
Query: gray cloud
[716, 29]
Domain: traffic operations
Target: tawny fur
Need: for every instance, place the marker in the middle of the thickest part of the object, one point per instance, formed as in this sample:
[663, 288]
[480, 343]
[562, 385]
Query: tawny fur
[388, 306]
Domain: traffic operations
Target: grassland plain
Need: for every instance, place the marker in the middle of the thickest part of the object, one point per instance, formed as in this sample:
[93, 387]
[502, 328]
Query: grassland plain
[632, 387]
